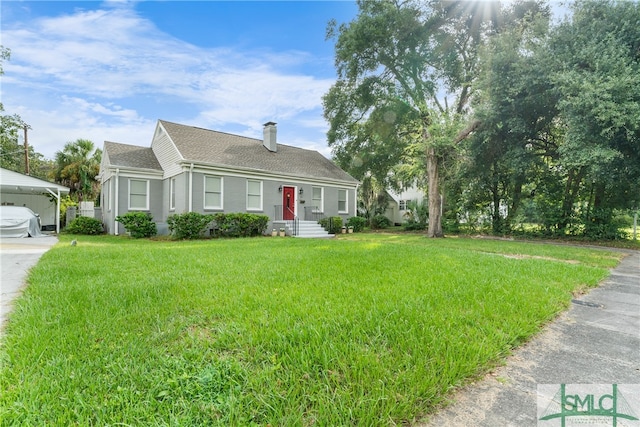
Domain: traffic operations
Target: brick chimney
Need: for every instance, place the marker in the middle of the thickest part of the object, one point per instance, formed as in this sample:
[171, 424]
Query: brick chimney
[269, 133]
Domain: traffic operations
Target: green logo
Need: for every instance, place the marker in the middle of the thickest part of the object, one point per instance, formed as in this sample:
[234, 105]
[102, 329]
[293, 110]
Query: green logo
[591, 406]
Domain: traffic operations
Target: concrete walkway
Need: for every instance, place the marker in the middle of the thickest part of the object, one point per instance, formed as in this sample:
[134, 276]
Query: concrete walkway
[17, 256]
[596, 342]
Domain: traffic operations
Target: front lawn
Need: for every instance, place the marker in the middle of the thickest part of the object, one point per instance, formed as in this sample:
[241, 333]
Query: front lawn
[364, 329]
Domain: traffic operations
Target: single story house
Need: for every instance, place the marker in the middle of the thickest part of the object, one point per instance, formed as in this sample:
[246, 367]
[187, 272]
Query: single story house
[42, 197]
[191, 169]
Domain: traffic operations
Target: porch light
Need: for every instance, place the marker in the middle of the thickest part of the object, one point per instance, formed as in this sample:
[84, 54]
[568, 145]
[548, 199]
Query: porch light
[280, 189]
[301, 191]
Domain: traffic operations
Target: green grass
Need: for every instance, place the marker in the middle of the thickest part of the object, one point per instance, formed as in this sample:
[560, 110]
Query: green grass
[367, 329]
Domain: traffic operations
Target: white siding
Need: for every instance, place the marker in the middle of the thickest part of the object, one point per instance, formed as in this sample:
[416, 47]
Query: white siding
[104, 166]
[394, 213]
[166, 152]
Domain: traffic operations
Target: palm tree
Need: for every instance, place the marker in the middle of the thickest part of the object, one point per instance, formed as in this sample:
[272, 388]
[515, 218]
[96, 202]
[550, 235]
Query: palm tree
[76, 167]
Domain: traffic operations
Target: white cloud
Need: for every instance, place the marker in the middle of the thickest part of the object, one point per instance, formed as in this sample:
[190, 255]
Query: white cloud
[109, 53]
[109, 74]
[75, 118]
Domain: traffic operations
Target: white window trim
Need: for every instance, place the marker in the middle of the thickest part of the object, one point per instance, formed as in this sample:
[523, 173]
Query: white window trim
[321, 207]
[261, 195]
[146, 208]
[172, 194]
[346, 200]
[204, 192]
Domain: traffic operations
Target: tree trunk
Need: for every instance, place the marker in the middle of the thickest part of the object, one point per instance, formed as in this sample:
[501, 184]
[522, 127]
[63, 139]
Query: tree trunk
[515, 203]
[574, 179]
[496, 218]
[435, 200]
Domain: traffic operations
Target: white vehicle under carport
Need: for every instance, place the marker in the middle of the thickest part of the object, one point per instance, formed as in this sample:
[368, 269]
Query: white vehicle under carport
[40, 196]
[18, 221]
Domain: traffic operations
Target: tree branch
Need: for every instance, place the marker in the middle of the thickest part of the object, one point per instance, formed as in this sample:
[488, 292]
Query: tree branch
[467, 131]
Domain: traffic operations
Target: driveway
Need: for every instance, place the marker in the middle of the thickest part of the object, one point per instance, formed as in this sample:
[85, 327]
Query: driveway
[17, 256]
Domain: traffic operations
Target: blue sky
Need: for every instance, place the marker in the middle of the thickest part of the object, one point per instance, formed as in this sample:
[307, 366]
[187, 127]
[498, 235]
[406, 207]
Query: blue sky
[110, 70]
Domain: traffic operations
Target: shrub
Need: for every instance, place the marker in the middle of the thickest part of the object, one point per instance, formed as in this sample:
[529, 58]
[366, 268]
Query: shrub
[190, 225]
[85, 225]
[380, 221]
[604, 224]
[417, 215]
[138, 224]
[414, 226]
[65, 203]
[357, 222]
[451, 226]
[333, 224]
[240, 224]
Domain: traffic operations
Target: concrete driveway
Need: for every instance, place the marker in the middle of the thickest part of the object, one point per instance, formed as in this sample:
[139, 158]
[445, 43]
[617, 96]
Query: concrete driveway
[17, 256]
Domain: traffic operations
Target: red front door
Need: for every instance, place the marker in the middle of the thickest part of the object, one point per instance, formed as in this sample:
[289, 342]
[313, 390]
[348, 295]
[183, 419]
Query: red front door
[288, 202]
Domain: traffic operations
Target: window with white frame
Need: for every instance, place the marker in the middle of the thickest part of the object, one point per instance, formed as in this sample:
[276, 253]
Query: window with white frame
[213, 192]
[254, 195]
[402, 205]
[139, 194]
[172, 194]
[342, 201]
[316, 199]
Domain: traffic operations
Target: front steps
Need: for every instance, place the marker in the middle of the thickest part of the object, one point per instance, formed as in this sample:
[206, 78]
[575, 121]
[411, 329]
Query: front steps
[306, 229]
[311, 229]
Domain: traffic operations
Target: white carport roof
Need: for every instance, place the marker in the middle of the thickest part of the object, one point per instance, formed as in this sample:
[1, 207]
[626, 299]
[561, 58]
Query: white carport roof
[16, 183]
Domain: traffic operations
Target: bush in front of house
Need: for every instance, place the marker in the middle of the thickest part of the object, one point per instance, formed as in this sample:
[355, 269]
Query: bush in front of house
[357, 222]
[333, 224]
[85, 225]
[380, 221]
[189, 225]
[240, 224]
[417, 215]
[138, 224]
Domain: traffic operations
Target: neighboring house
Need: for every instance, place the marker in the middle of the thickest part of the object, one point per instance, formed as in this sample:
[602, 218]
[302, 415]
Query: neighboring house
[190, 169]
[397, 209]
[40, 196]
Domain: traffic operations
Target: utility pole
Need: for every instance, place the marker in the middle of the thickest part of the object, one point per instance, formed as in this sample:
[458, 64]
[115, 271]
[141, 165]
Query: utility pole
[26, 151]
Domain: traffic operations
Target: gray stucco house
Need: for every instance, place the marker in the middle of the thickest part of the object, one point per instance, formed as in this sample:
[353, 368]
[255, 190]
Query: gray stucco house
[191, 169]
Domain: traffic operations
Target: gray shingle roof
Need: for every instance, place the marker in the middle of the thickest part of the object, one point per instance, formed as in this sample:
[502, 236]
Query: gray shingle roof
[131, 156]
[207, 146]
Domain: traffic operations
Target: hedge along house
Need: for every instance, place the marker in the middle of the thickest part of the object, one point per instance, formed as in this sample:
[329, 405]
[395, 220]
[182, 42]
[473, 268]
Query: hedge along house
[190, 169]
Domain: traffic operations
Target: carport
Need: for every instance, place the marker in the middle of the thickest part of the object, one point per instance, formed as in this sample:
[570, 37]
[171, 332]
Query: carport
[24, 190]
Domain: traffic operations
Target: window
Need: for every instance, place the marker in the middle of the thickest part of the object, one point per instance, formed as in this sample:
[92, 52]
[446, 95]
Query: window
[212, 192]
[402, 204]
[254, 195]
[342, 201]
[138, 194]
[316, 199]
[172, 194]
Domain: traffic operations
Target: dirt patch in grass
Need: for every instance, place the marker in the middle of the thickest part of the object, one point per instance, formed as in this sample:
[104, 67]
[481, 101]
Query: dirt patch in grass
[200, 333]
[522, 256]
[546, 258]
